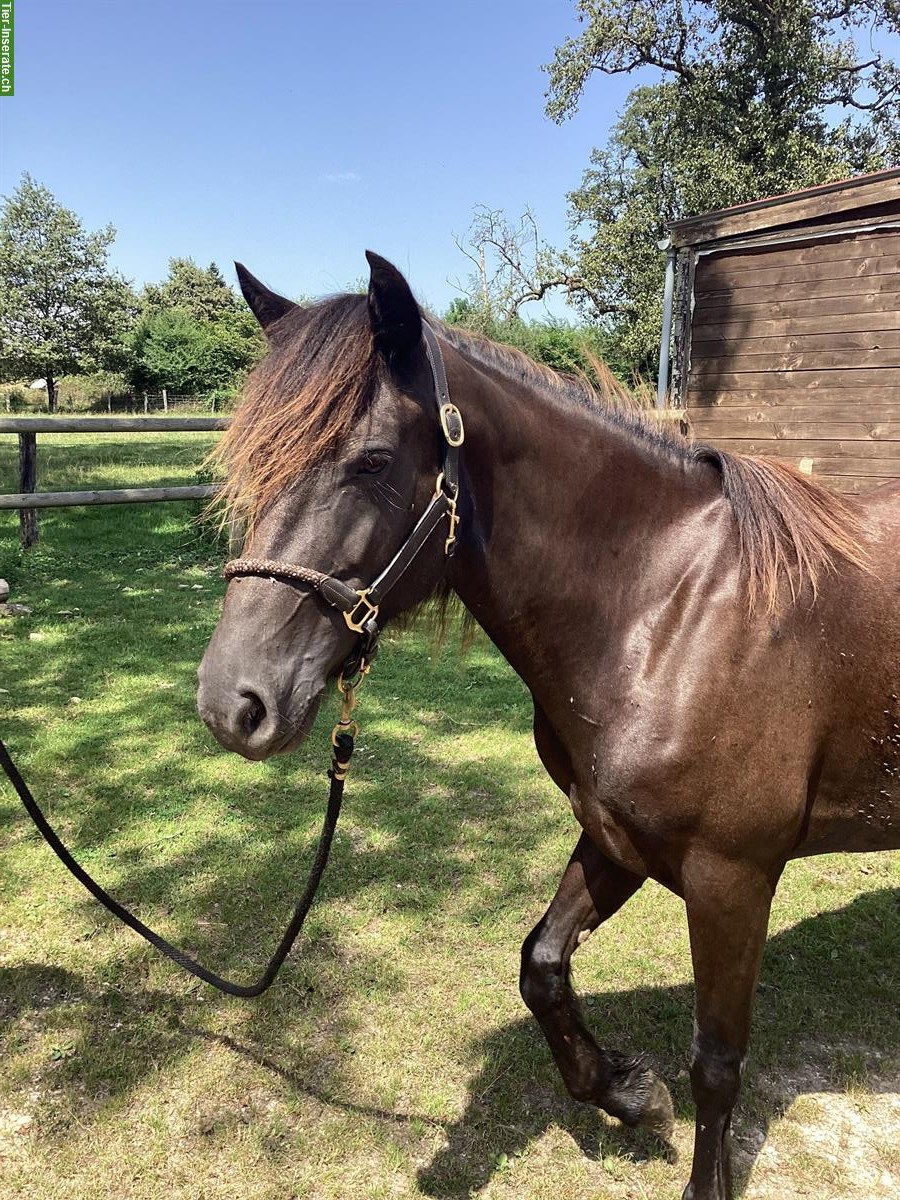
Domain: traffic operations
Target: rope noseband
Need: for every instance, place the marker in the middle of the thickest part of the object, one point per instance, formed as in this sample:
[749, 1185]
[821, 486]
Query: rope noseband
[360, 609]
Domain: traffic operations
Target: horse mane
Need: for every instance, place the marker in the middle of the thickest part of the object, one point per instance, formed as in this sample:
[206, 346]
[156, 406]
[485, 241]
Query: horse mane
[305, 397]
[790, 528]
[611, 393]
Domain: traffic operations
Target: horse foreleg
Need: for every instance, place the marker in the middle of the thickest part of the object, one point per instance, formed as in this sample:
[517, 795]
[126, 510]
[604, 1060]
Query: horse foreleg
[591, 890]
[728, 914]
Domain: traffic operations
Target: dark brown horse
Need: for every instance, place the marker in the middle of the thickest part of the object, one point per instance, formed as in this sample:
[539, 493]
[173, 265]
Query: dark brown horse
[712, 642]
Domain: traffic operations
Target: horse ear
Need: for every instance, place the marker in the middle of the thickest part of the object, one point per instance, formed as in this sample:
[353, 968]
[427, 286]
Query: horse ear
[393, 313]
[266, 306]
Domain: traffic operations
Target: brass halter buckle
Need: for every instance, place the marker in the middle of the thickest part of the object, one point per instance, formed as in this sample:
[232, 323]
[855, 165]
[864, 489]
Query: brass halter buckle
[447, 413]
[361, 613]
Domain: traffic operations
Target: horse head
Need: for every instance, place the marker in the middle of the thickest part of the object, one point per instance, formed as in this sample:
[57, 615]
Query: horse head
[332, 457]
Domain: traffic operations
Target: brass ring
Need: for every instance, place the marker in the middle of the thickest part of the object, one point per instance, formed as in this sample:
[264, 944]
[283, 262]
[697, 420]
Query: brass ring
[351, 727]
[353, 685]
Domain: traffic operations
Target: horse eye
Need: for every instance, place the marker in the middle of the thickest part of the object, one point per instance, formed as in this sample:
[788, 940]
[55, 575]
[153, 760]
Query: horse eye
[372, 462]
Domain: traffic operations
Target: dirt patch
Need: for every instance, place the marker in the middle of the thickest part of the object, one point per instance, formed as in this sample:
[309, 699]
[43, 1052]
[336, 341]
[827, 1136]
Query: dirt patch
[831, 1142]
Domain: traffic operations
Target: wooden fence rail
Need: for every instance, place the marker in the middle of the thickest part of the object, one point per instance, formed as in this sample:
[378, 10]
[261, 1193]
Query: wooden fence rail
[22, 500]
[28, 499]
[112, 424]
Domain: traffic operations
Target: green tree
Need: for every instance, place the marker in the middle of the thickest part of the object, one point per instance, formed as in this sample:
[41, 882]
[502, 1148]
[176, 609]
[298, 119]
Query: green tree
[752, 98]
[194, 335]
[200, 291]
[62, 311]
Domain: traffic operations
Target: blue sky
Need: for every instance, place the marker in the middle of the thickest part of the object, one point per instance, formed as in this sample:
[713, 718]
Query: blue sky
[294, 135]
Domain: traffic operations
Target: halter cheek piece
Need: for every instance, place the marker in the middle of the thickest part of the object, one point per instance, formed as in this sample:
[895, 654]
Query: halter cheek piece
[360, 605]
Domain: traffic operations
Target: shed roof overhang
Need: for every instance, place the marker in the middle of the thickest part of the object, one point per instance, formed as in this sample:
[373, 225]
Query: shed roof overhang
[775, 212]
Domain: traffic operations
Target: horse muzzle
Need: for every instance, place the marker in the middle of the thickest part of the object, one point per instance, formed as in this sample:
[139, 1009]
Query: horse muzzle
[251, 719]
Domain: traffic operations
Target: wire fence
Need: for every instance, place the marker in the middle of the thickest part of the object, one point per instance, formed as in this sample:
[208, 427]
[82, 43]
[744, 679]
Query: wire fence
[121, 403]
[163, 401]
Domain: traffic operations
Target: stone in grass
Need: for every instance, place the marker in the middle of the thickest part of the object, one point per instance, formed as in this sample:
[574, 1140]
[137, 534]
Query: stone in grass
[4, 591]
[14, 610]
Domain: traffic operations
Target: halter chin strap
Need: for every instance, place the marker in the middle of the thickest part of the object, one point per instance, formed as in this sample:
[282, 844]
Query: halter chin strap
[360, 605]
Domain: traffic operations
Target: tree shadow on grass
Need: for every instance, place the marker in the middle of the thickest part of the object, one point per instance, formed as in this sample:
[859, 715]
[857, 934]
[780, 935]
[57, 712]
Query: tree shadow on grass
[815, 1015]
[99, 1043]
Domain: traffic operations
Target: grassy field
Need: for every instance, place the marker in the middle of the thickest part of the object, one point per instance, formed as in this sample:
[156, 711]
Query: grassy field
[394, 1057]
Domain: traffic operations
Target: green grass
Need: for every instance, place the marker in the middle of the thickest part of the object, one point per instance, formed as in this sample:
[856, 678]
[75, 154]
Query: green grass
[393, 1057]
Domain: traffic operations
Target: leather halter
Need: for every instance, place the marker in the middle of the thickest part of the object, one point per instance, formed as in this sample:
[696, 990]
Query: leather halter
[360, 605]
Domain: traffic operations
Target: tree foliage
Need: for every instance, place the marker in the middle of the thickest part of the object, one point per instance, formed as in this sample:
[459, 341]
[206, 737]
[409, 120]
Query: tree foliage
[194, 335]
[62, 310]
[573, 349]
[754, 97]
[199, 291]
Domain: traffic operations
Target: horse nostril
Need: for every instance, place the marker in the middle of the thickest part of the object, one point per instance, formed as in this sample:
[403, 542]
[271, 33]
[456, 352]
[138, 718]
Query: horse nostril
[253, 715]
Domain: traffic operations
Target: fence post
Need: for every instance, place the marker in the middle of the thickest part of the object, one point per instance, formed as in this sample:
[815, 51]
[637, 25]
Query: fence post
[145, 401]
[28, 525]
[165, 400]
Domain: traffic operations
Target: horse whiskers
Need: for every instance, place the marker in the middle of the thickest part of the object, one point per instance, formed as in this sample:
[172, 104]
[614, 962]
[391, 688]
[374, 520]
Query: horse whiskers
[383, 489]
[287, 724]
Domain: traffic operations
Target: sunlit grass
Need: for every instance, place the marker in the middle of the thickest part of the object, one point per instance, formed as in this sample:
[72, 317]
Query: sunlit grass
[393, 1057]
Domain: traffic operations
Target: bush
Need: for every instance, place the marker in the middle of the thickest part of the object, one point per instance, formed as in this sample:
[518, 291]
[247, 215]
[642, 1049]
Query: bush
[91, 391]
[173, 349]
[14, 400]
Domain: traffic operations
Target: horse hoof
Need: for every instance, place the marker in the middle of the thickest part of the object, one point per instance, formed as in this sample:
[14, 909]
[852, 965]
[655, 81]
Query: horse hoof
[658, 1115]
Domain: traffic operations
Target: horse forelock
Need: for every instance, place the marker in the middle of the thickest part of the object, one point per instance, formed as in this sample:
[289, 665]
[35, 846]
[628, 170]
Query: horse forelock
[299, 404]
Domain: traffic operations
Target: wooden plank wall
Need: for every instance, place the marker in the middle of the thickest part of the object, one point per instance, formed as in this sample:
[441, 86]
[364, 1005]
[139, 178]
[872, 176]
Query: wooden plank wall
[795, 351]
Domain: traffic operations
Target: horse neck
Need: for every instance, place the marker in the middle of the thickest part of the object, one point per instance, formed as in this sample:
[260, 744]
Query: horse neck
[574, 523]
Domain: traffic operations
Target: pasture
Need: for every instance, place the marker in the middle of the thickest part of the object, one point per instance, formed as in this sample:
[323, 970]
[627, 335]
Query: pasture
[394, 1056]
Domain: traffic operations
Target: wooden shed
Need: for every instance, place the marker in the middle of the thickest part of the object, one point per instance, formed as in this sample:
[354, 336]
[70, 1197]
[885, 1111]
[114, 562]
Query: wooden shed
[786, 329]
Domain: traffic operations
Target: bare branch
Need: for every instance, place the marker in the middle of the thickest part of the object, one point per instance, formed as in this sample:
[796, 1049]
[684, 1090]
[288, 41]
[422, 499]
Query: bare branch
[847, 98]
[514, 267]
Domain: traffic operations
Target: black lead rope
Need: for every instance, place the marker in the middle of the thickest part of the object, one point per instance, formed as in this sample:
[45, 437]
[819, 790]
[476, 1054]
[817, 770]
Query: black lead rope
[343, 750]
